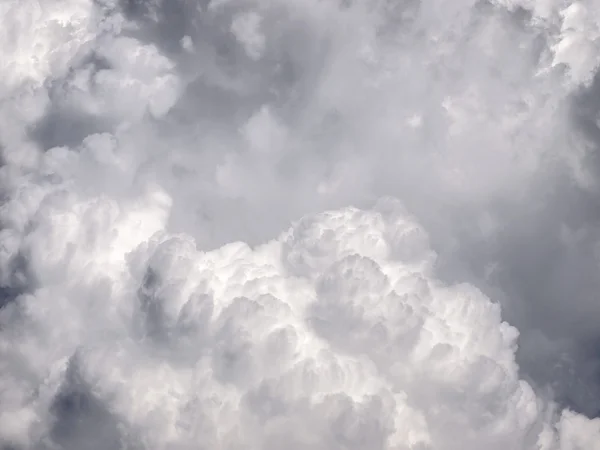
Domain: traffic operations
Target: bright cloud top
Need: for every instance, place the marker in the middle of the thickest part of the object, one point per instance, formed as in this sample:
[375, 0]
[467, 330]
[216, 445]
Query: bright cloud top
[152, 153]
[335, 335]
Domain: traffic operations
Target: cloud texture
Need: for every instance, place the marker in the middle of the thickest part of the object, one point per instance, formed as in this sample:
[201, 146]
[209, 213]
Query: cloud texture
[243, 224]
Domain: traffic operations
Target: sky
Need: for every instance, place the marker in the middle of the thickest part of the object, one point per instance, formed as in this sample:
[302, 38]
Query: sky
[318, 224]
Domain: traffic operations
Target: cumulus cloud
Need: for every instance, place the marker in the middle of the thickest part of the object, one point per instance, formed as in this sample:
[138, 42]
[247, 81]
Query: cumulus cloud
[334, 335]
[154, 152]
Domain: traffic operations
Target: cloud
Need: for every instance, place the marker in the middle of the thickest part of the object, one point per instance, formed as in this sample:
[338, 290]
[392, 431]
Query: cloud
[153, 151]
[336, 334]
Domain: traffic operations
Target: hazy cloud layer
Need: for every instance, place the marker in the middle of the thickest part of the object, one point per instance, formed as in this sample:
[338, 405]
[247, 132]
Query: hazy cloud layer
[153, 153]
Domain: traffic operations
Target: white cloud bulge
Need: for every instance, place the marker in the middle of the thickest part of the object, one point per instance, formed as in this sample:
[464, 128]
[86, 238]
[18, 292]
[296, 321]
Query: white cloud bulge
[335, 335]
[242, 224]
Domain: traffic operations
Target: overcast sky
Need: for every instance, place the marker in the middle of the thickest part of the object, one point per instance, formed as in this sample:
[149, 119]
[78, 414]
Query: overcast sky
[311, 224]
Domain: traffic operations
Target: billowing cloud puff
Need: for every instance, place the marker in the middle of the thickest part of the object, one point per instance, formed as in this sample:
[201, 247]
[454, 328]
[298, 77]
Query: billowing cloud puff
[335, 335]
[153, 153]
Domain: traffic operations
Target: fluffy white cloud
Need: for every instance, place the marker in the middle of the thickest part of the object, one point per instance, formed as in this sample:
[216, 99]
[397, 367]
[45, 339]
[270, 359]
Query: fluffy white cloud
[335, 335]
[153, 151]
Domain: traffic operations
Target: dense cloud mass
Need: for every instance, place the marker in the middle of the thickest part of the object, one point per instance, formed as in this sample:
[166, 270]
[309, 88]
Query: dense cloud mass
[341, 224]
